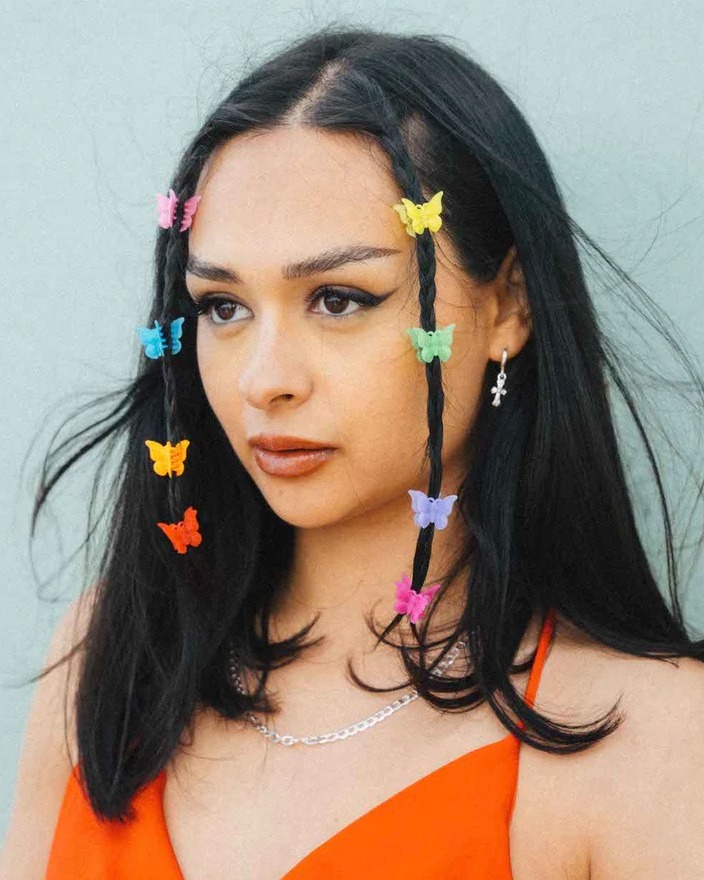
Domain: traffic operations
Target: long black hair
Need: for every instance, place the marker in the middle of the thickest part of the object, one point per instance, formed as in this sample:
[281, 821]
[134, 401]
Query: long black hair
[545, 497]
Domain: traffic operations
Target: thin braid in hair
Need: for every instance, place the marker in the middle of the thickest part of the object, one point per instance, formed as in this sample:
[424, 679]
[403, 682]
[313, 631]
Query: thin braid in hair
[407, 177]
[173, 270]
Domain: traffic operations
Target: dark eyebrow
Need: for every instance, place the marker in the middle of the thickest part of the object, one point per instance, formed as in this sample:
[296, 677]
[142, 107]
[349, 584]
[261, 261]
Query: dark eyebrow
[324, 262]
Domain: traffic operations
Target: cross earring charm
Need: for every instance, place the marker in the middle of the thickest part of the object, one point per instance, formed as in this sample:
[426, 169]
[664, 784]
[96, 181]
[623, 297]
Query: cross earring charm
[498, 390]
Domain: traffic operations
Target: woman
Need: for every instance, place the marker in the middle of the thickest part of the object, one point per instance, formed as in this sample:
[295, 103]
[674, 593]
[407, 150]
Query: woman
[352, 195]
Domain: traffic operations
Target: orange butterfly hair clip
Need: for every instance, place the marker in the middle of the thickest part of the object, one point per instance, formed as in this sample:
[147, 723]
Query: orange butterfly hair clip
[168, 459]
[183, 534]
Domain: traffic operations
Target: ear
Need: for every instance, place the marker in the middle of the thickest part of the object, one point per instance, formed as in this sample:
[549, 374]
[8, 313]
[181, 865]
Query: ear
[512, 323]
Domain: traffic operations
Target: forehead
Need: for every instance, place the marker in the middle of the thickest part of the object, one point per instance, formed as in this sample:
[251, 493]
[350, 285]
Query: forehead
[292, 186]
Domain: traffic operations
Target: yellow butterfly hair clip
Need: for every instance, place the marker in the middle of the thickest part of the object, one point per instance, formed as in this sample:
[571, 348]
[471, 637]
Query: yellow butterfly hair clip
[168, 459]
[420, 217]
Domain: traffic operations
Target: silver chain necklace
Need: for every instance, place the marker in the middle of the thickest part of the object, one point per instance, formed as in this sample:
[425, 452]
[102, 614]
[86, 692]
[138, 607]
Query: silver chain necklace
[343, 732]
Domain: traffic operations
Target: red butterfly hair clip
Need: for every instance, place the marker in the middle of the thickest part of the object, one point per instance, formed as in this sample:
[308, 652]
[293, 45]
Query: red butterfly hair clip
[183, 534]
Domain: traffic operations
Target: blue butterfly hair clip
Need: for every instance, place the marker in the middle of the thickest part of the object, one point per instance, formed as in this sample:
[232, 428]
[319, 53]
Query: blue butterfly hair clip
[152, 338]
[431, 510]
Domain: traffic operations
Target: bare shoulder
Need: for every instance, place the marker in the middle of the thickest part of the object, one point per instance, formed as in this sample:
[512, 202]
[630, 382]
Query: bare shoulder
[651, 777]
[661, 700]
[631, 803]
[48, 751]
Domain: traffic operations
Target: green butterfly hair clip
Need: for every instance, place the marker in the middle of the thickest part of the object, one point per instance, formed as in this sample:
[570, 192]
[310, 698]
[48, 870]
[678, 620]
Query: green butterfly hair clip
[431, 343]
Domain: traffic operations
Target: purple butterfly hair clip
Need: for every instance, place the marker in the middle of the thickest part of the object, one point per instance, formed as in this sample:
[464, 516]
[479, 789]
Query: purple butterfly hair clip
[431, 510]
[166, 205]
[411, 603]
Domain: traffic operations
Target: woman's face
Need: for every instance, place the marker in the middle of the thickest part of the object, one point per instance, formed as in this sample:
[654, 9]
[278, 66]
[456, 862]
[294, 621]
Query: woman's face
[285, 352]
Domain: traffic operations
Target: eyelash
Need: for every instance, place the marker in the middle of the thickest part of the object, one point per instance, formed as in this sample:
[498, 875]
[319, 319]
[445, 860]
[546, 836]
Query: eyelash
[204, 304]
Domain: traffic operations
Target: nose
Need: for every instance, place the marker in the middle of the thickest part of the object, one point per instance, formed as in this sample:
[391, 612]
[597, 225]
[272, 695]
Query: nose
[277, 365]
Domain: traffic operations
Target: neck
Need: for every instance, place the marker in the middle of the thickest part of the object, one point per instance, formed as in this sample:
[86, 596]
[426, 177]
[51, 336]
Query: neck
[348, 570]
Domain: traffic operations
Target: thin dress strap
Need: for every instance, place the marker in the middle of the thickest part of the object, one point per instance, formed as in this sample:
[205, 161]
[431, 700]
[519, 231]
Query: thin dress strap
[540, 655]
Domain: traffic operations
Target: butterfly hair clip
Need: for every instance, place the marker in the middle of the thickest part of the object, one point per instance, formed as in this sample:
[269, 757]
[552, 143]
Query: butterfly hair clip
[183, 534]
[420, 217]
[168, 459]
[432, 343]
[166, 206]
[431, 510]
[152, 338]
[411, 603]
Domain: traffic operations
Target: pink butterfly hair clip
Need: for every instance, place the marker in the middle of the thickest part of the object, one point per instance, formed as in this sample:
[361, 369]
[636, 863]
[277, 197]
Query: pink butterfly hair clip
[166, 206]
[411, 603]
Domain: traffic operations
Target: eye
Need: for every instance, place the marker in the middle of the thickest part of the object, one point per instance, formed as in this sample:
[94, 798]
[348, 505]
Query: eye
[221, 310]
[341, 299]
[218, 309]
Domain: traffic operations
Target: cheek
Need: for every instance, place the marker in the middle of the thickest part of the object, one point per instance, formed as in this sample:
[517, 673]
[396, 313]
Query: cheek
[381, 412]
[391, 408]
[217, 373]
[463, 377]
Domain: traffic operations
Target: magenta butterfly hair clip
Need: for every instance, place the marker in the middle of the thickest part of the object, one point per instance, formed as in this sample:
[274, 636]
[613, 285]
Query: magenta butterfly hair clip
[411, 603]
[166, 205]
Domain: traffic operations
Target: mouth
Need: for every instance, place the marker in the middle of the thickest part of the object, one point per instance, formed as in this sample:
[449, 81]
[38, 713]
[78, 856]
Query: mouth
[291, 462]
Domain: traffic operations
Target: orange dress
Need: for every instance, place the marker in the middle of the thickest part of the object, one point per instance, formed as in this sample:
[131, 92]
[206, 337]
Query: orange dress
[452, 823]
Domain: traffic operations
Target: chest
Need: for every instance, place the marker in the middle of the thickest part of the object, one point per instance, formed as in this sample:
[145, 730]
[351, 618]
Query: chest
[429, 789]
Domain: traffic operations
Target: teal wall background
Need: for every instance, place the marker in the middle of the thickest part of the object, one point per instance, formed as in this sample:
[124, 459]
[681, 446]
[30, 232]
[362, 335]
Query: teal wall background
[97, 102]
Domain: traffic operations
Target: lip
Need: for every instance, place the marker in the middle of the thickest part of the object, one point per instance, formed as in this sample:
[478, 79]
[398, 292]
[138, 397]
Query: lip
[285, 442]
[293, 463]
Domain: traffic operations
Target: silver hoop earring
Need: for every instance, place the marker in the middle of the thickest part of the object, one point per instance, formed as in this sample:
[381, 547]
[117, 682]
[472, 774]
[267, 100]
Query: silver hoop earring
[498, 390]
